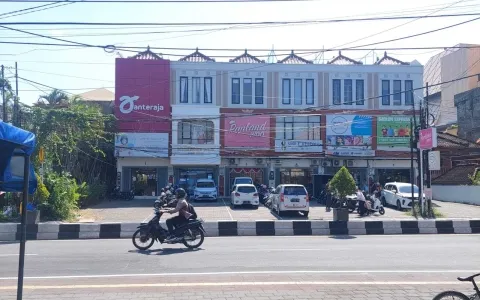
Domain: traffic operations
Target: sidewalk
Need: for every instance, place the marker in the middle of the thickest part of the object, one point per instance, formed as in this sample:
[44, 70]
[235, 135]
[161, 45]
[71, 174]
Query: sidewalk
[139, 210]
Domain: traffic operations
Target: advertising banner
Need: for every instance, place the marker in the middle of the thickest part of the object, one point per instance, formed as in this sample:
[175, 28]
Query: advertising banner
[141, 145]
[298, 146]
[349, 135]
[249, 131]
[428, 138]
[393, 131]
[142, 92]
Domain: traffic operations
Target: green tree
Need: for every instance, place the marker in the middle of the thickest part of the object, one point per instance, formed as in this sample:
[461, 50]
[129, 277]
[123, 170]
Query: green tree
[343, 184]
[55, 98]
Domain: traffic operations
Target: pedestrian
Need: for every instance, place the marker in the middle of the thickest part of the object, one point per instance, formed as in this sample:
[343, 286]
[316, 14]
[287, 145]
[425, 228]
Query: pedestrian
[328, 198]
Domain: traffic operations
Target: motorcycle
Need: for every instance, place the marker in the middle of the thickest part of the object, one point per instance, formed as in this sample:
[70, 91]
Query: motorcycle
[375, 206]
[117, 194]
[148, 233]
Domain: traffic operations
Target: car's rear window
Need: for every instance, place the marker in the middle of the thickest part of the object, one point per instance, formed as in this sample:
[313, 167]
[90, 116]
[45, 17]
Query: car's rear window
[246, 189]
[243, 180]
[205, 184]
[294, 190]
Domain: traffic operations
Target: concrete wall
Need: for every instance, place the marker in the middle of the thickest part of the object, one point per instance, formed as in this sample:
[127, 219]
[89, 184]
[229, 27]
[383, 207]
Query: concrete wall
[468, 112]
[457, 193]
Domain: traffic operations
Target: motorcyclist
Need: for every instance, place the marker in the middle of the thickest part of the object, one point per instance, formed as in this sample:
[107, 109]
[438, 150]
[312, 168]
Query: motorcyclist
[361, 201]
[184, 214]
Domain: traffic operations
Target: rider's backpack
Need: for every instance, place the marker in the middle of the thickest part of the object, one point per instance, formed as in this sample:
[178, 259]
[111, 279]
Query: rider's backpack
[191, 210]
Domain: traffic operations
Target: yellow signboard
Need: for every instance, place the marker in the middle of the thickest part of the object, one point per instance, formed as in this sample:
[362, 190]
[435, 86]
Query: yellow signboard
[41, 155]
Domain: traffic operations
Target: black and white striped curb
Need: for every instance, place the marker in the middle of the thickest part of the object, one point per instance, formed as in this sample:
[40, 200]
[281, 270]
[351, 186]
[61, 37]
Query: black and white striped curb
[48, 231]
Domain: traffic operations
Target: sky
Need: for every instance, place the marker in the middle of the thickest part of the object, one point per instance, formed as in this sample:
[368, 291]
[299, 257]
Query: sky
[77, 70]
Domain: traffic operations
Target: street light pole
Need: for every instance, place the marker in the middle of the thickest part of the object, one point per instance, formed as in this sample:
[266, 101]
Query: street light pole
[4, 98]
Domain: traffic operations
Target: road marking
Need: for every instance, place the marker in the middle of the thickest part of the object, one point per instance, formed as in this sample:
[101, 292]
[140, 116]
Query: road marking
[3, 255]
[288, 249]
[228, 210]
[240, 283]
[248, 273]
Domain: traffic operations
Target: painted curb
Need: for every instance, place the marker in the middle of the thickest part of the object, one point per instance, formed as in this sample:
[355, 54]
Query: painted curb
[67, 231]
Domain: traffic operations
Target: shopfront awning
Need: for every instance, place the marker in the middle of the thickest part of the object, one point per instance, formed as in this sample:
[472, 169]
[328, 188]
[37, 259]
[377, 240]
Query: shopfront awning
[15, 144]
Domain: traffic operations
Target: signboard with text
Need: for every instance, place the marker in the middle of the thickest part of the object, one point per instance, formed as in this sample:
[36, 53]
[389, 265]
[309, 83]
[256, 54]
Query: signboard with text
[393, 131]
[298, 146]
[349, 135]
[428, 138]
[248, 131]
[141, 145]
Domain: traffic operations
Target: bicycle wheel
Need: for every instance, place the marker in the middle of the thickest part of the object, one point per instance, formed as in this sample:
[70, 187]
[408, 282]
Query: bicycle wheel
[451, 295]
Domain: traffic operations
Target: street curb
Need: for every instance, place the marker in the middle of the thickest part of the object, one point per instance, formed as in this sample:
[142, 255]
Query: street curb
[67, 231]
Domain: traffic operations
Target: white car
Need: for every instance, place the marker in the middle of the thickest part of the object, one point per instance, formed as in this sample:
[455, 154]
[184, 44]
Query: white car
[291, 197]
[399, 194]
[244, 194]
[205, 189]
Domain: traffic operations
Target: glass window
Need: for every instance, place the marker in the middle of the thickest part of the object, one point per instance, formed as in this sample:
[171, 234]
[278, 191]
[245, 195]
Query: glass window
[286, 91]
[196, 89]
[310, 100]
[205, 184]
[408, 92]
[297, 90]
[247, 91]
[235, 90]
[246, 189]
[207, 90]
[385, 92]
[408, 189]
[298, 128]
[183, 89]
[259, 91]
[360, 92]
[197, 132]
[294, 190]
[397, 92]
[347, 92]
[337, 92]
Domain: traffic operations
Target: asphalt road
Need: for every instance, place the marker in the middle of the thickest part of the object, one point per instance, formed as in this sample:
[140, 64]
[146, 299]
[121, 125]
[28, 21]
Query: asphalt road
[378, 267]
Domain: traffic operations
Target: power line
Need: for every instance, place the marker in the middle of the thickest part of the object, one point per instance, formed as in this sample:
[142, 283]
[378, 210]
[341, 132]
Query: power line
[386, 18]
[34, 9]
[159, 1]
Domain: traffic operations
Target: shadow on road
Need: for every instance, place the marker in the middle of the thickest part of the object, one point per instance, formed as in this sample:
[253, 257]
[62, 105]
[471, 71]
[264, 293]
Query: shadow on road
[165, 251]
[342, 237]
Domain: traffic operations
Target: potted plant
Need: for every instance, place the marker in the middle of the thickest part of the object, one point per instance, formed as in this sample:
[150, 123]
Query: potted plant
[342, 184]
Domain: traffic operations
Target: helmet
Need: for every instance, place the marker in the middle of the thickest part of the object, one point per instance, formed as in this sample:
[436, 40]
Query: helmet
[180, 193]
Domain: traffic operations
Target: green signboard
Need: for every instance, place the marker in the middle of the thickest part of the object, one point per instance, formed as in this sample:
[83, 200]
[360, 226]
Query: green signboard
[393, 131]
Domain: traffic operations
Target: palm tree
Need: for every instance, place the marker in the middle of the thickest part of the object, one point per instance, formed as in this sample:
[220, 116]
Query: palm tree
[56, 98]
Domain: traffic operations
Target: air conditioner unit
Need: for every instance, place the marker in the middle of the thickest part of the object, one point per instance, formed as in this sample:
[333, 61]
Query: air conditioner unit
[337, 163]
[350, 163]
[326, 163]
[231, 161]
[259, 161]
[315, 162]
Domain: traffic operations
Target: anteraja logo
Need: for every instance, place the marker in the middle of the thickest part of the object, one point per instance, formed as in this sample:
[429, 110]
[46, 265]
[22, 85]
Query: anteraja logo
[248, 129]
[127, 105]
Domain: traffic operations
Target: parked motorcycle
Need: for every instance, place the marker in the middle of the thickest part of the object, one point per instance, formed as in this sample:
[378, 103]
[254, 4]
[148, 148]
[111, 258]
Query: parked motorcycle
[191, 234]
[117, 194]
[375, 206]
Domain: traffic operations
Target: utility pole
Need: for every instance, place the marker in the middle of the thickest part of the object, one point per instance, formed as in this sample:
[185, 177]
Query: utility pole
[412, 170]
[426, 157]
[420, 165]
[4, 98]
[15, 102]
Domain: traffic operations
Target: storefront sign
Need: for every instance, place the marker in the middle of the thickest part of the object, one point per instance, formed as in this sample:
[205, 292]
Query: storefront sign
[141, 145]
[142, 92]
[352, 152]
[393, 131]
[434, 160]
[298, 146]
[251, 131]
[184, 154]
[349, 135]
[428, 138]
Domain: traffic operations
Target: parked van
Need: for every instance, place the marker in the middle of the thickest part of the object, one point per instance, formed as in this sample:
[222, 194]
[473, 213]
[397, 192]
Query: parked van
[291, 197]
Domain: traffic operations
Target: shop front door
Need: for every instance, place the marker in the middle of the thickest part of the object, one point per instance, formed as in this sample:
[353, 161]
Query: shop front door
[187, 177]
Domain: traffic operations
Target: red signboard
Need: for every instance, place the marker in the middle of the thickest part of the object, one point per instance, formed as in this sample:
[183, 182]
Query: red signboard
[248, 131]
[142, 95]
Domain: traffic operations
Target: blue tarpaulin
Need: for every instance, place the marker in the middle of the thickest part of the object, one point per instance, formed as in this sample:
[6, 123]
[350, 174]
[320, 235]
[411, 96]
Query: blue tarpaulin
[14, 144]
